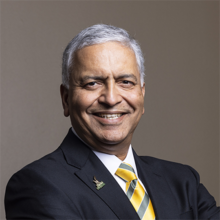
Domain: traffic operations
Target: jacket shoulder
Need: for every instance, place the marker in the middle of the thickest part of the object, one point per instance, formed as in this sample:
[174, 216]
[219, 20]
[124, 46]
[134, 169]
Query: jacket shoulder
[35, 189]
[170, 169]
[184, 182]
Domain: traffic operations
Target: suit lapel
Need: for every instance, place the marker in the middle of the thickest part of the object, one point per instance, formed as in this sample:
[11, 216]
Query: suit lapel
[163, 201]
[111, 193]
[77, 154]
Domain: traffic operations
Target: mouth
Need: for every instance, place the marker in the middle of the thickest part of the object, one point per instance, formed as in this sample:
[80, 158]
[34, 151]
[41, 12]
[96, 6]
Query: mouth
[109, 116]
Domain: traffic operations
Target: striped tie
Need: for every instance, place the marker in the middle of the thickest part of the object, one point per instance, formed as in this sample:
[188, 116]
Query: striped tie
[135, 192]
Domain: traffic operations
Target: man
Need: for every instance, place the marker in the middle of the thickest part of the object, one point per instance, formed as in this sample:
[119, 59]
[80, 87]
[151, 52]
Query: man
[95, 173]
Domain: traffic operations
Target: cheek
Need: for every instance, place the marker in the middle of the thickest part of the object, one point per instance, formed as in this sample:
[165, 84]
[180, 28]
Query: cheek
[136, 100]
[81, 101]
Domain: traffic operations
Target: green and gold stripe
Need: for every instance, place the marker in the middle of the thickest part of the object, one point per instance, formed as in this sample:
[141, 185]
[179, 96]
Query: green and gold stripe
[135, 192]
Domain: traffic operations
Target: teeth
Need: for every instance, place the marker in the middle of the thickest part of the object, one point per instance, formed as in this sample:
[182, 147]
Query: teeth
[110, 116]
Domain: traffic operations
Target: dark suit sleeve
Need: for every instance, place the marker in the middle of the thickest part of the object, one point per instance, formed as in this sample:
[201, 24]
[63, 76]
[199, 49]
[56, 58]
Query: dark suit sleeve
[30, 195]
[206, 204]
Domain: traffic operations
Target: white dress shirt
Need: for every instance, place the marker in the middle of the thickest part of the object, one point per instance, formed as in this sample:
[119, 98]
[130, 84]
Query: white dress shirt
[112, 163]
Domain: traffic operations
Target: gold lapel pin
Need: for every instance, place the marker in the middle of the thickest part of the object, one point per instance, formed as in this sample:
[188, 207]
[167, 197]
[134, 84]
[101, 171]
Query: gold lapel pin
[99, 185]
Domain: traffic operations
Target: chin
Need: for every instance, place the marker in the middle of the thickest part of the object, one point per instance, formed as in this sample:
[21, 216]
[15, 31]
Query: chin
[112, 138]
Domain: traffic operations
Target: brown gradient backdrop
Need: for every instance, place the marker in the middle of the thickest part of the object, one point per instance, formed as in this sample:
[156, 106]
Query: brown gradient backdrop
[180, 41]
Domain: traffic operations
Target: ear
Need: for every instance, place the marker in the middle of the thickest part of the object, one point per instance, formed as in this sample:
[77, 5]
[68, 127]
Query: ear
[143, 92]
[64, 92]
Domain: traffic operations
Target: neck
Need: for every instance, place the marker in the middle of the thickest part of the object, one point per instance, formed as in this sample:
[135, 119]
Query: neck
[120, 150]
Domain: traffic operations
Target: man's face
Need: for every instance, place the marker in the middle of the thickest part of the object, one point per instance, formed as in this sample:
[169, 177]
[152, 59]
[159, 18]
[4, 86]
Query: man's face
[105, 99]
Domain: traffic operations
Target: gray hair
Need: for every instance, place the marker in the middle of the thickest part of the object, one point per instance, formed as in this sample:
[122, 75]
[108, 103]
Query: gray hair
[98, 34]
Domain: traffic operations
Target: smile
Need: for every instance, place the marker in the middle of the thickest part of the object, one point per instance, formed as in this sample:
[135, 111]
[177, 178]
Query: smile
[109, 116]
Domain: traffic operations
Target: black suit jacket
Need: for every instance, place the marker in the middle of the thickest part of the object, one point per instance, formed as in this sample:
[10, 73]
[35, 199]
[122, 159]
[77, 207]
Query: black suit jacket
[60, 186]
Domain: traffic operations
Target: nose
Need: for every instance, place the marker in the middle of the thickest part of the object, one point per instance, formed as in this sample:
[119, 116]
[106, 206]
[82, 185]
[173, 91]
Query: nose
[110, 95]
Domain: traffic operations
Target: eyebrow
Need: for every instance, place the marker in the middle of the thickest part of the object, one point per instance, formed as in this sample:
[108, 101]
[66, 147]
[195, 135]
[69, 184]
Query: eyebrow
[127, 75]
[85, 78]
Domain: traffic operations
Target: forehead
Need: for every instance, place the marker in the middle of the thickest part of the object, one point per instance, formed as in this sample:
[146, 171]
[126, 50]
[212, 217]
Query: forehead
[109, 55]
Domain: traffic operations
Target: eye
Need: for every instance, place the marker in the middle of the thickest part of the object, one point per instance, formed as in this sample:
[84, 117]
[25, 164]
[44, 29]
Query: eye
[91, 84]
[126, 82]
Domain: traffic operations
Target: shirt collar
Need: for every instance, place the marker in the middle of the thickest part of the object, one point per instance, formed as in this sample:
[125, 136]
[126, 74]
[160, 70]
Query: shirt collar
[112, 162]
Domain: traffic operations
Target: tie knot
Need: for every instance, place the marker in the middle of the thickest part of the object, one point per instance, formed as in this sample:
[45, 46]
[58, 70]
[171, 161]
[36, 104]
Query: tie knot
[126, 172]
